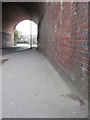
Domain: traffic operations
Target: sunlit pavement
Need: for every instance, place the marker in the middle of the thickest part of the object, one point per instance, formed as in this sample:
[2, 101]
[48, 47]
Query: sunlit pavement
[25, 45]
[33, 89]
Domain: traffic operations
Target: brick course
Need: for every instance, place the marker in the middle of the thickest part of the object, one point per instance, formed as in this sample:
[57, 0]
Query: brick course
[64, 39]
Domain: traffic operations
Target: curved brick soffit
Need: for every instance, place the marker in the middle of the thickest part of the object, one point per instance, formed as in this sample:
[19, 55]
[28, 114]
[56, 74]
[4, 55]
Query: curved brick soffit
[15, 12]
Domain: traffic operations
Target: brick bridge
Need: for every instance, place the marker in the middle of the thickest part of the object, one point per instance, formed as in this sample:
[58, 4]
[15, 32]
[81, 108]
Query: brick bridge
[62, 35]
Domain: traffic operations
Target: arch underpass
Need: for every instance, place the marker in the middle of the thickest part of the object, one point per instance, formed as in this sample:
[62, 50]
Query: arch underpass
[13, 13]
[62, 38]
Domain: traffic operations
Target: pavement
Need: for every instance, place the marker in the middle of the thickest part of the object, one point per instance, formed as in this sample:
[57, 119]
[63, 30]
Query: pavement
[32, 88]
[9, 50]
[19, 47]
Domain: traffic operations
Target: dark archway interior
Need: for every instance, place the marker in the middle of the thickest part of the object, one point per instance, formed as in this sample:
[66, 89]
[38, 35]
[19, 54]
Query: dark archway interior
[13, 13]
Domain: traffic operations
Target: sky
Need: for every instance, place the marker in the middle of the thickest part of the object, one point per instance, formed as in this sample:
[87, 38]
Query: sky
[27, 27]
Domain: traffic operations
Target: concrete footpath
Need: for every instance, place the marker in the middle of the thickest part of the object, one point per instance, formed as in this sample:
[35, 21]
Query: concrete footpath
[33, 89]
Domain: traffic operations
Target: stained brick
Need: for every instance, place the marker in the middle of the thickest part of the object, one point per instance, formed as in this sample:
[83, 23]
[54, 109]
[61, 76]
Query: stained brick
[70, 39]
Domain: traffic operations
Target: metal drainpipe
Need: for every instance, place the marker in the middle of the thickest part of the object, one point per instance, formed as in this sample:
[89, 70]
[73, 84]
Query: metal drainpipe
[31, 35]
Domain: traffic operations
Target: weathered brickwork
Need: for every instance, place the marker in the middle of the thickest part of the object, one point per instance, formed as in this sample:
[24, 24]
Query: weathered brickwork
[64, 39]
[7, 40]
[89, 49]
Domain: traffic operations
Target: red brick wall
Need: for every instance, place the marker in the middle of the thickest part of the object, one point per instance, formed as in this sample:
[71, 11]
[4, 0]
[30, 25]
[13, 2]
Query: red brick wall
[67, 43]
[89, 52]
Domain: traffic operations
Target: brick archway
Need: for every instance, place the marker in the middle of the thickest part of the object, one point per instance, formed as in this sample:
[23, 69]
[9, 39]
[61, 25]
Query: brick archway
[13, 13]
